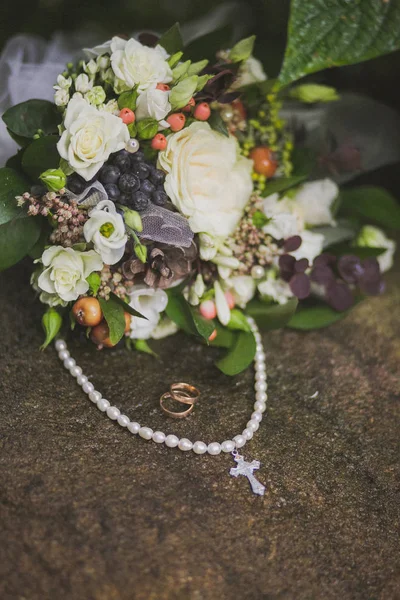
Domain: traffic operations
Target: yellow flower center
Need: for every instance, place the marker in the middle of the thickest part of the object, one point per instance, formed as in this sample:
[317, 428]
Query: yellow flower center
[107, 229]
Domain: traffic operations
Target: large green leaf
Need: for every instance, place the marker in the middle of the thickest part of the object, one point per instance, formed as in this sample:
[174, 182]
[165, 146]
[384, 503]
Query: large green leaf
[329, 33]
[171, 40]
[187, 318]
[26, 118]
[11, 184]
[240, 356]
[41, 155]
[282, 184]
[373, 204]
[315, 317]
[114, 315]
[127, 307]
[17, 237]
[271, 316]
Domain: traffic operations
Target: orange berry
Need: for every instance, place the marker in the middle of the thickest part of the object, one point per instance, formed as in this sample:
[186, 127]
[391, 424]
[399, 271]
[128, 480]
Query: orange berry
[100, 335]
[128, 320]
[208, 310]
[202, 111]
[189, 105]
[87, 311]
[264, 162]
[230, 299]
[127, 115]
[159, 142]
[239, 107]
[213, 336]
[176, 121]
[163, 86]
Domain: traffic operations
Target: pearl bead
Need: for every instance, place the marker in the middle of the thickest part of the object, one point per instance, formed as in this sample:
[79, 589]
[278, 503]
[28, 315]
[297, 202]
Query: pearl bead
[214, 448]
[123, 420]
[113, 412]
[261, 396]
[239, 441]
[257, 272]
[171, 441]
[132, 146]
[158, 437]
[228, 446]
[60, 345]
[76, 371]
[69, 363]
[259, 347]
[256, 416]
[81, 379]
[185, 444]
[146, 433]
[247, 433]
[134, 427]
[260, 376]
[94, 396]
[103, 404]
[260, 406]
[63, 354]
[253, 425]
[259, 356]
[199, 447]
[88, 387]
[260, 386]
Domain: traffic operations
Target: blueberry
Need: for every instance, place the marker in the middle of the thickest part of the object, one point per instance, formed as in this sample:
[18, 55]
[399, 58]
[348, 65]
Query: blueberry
[139, 201]
[157, 177]
[109, 174]
[38, 190]
[112, 191]
[125, 199]
[159, 197]
[147, 187]
[136, 157]
[122, 161]
[141, 170]
[76, 184]
[128, 183]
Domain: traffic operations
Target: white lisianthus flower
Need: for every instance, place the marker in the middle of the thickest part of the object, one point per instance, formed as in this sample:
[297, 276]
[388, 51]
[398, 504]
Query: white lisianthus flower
[66, 271]
[150, 303]
[90, 136]
[153, 103]
[135, 64]
[373, 237]
[96, 95]
[312, 244]
[83, 84]
[251, 71]
[61, 97]
[276, 290]
[315, 200]
[112, 107]
[207, 179]
[243, 288]
[63, 83]
[105, 228]
[164, 329]
[283, 222]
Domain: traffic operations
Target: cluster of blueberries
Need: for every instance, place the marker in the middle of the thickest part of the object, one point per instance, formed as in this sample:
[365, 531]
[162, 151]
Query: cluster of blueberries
[128, 179]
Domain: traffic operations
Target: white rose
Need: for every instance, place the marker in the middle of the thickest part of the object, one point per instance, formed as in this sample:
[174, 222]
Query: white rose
[83, 83]
[66, 271]
[61, 97]
[135, 64]
[373, 237]
[150, 303]
[207, 179]
[90, 136]
[275, 289]
[315, 199]
[153, 103]
[243, 288]
[284, 223]
[105, 228]
[251, 71]
[312, 244]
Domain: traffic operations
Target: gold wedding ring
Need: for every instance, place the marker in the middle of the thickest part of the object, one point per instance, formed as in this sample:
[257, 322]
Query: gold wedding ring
[183, 393]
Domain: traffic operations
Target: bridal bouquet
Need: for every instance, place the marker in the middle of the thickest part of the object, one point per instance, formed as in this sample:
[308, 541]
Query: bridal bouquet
[159, 194]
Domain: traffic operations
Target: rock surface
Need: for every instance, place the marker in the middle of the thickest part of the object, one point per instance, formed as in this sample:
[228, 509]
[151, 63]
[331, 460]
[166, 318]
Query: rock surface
[90, 512]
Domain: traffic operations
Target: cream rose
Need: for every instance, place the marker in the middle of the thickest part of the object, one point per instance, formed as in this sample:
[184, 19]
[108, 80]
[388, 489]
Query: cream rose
[105, 228]
[66, 271]
[315, 200]
[150, 303]
[90, 136]
[207, 179]
[153, 103]
[135, 64]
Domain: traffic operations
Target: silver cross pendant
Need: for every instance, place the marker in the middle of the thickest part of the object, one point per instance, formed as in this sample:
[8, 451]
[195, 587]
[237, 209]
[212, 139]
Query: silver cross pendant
[246, 468]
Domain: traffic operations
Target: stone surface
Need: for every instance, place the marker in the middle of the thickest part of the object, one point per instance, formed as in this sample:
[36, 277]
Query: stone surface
[90, 512]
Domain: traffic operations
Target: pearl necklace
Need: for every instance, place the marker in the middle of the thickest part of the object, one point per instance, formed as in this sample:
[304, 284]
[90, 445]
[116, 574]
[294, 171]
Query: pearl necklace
[172, 441]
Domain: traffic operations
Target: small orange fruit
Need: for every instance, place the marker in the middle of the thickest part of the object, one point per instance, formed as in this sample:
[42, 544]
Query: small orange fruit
[100, 335]
[87, 311]
[264, 162]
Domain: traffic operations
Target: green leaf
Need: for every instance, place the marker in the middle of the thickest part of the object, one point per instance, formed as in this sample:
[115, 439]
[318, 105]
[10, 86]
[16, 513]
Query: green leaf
[40, 155]
[18, 139]
[242, 50]
[26, 118]
[94, 282]
[197, 67]
[331, 33]
[260, 219]
[127, 307]
[128, 99]
[271, 316]
[276, 186]
[143, 346]
[217, 123]
[51, 322]
[14, 162]
[314, 92]
[39, 246]
[315, 317]
[238, 321]
[174, 59]
[183, 92]
[360, 251]
[180, 71]
[372, 204]
[171, 40]
[334, 235]
[240, 356]
[17, 237]
[187, 318]
[147, 128]
[225, 337]
[11, 184]
[114, 315]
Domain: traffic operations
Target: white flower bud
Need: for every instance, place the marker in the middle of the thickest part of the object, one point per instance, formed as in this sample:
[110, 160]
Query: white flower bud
[199, 286]
[83, 84]
[64, 82]
[91, 67]
[223, 311]
[61, 97]
[103, 62]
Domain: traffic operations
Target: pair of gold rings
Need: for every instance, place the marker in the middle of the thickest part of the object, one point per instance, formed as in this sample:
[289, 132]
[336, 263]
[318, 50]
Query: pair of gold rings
[185, 394]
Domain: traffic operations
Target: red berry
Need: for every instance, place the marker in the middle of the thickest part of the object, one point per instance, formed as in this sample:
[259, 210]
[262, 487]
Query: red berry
[159, 142]
[208, 310]
[264, 162]
[176, 121]
[163, 86]
[127, 115]
[189, 105]
[230, 299]
[202, 111]
[87, 311]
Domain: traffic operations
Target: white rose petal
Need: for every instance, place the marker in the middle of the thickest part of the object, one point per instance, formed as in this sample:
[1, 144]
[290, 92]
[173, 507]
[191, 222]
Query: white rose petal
[90, 136]
[312, 244]
[284, 223]
[153, 103]
[150, 303]
[105, 228]
[207, 179]
[315, 200]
